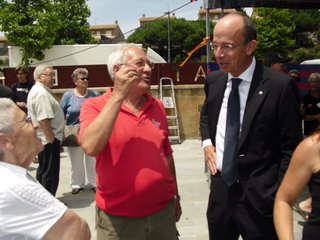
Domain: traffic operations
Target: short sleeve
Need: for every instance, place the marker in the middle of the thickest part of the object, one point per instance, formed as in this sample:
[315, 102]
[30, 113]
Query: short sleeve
[29, 210]
[43, 109]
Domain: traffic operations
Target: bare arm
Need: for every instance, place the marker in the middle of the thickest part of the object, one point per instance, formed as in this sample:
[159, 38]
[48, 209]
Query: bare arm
[97, 134]
[46, 128]
[22, 104]
[69, 227]
[296, 178]
[172, 170]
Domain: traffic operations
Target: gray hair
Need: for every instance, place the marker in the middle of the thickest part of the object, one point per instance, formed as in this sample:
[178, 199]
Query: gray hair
[78, 71]
[6, 114]
[118, 57]
[40, 70]
[314, 76]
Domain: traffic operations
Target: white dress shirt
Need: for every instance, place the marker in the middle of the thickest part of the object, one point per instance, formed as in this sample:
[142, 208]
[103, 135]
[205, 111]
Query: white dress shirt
[244, 87]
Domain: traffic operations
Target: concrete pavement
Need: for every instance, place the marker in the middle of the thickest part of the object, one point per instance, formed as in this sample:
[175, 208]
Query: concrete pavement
[192, 183]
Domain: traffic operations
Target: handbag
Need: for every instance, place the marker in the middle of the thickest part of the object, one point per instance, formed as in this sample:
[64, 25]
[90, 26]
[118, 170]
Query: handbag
[70, 134]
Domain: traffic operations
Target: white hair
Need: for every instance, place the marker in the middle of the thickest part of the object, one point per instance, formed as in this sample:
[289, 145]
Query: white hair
[40, 70]
[118, 57]
[78, 71]
[6, 114]
[314, 76]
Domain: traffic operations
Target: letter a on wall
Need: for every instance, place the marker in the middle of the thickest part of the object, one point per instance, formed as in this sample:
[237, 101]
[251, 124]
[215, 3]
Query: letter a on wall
[200, 73]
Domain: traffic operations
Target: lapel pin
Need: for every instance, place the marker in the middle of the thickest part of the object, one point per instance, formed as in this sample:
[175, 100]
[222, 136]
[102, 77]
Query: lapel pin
[260, 92]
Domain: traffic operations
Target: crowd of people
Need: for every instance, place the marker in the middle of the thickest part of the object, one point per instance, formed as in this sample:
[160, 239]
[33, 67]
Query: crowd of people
[259, 158]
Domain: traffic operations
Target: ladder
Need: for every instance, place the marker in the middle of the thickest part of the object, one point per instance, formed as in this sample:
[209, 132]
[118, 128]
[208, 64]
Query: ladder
[168, 98]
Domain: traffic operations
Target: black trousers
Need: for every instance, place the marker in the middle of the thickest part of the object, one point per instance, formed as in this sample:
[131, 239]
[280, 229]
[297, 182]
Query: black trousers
[49, 166]
[230, 214]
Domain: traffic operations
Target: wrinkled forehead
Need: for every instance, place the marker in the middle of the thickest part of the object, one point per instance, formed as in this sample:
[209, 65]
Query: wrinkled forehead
[135, 54]
[229, 29]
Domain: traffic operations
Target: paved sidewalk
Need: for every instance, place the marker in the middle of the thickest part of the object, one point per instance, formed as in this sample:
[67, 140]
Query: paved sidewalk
[192, 183]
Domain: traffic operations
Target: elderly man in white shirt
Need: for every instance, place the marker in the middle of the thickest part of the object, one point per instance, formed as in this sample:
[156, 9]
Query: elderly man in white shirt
[45, 110]
[27, 210]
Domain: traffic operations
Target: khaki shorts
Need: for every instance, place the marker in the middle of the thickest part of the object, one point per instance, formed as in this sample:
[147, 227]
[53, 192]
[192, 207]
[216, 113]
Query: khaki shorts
[158, 226]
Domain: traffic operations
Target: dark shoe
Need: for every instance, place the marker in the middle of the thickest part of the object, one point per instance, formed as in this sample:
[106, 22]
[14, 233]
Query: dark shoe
[94, 189]
[304, 214]
[76, 190]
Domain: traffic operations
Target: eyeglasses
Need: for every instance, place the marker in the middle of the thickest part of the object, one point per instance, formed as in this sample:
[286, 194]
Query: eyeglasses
[26, 120]
[49, 75]
[139, 64]
[85, 78]
[224, 47]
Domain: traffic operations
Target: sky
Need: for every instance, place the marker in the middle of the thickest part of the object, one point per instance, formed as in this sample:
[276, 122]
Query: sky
[128, 12]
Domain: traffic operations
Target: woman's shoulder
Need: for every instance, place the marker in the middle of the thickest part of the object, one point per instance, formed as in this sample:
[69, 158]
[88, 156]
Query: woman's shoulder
[68, 93]
[94, 100]
[309, 151]
[93, 93]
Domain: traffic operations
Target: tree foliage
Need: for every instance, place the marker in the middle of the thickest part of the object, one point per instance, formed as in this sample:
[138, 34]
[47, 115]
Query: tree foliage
[35, 25]
[184, 36]
[74, 27]
[30, 25]
[291, 32]
[275, 32]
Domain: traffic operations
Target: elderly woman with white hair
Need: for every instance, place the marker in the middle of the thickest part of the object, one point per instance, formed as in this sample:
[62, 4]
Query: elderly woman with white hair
[27, 210]
[71, 104]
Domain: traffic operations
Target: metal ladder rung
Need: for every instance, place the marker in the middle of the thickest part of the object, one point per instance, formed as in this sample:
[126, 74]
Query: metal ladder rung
[171, 108]
[173, 138]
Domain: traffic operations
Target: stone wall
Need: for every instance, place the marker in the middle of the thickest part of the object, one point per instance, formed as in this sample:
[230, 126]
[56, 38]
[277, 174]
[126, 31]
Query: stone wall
[189, 100]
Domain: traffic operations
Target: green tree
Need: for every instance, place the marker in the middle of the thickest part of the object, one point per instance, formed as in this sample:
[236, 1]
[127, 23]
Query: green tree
[306, 34]
[35, 25]
[275, 29]
[30, 24]
[291, 32]
[305, 20]
[184, 36]
[74, 27]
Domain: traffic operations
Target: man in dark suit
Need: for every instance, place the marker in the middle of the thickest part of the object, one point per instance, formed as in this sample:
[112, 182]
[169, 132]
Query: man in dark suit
[242, 196]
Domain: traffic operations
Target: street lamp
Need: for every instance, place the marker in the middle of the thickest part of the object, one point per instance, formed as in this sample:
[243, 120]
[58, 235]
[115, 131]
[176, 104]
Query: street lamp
[169, 57]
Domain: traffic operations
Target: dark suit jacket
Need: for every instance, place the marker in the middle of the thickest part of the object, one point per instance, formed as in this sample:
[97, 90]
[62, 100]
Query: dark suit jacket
[270, 131]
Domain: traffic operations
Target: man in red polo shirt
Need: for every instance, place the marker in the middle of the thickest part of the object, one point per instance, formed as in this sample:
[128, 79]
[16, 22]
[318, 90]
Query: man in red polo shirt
[126, 129]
